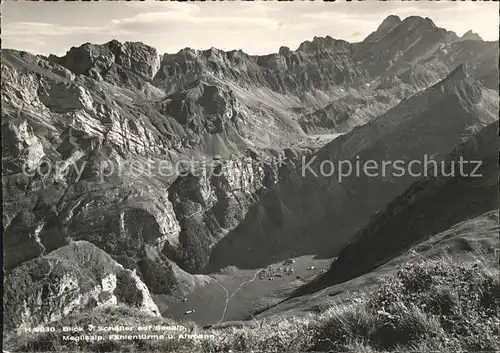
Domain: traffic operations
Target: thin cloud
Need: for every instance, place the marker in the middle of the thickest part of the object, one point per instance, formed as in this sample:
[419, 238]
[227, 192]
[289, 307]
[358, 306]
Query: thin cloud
[155, 20]
[254, 27]
[164, 5]
[42, 29]
[20, 29]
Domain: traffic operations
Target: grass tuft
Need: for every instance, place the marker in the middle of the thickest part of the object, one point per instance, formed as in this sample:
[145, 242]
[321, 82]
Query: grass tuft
[443, 305]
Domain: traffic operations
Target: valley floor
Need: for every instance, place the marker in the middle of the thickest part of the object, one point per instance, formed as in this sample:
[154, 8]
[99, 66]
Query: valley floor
[235, 294]
[442, 304]
[441, 295]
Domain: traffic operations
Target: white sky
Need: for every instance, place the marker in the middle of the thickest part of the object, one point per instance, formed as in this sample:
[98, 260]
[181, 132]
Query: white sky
[255, 27]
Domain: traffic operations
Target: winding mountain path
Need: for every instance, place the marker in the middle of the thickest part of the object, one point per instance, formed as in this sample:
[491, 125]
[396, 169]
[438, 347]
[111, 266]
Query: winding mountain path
[229, 296]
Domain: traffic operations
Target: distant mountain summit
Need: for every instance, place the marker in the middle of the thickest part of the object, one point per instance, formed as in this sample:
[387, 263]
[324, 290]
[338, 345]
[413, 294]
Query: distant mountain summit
[385, 27]
[410, 88]
[469, 35]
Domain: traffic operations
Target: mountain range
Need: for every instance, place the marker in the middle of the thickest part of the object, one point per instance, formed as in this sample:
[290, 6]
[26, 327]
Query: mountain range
[91, 220]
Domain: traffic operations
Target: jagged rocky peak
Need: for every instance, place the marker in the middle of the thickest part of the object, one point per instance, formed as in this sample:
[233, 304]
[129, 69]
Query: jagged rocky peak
[236, 54]
[180, 69]
[385, 27]
[418, 21]
[214, 52]
[285, 51]
[322, 43]
[390, 21]
[394, 23]
[178, 63]
[139, 57]
[469, 35]
[184, 52]
[417, 24]
[95, 59]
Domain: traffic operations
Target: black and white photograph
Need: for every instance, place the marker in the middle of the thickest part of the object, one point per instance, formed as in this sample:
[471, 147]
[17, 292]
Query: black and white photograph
[250, 176]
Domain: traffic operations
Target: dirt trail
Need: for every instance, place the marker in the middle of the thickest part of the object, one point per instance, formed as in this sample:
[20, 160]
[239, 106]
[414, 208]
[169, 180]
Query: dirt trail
[229, 296]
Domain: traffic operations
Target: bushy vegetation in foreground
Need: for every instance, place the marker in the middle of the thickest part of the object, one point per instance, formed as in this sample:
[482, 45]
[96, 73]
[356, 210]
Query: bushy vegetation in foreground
[434, 305]
[431, 305]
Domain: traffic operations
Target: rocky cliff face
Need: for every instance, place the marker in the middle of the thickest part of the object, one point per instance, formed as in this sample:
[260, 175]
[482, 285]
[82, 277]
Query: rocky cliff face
[353, 109]
[210, 204]
[332, 206]
[399, 44]
[469, 35]
[75, 277]
[401, 58]
[91, 142]
[320, 64]
[111, 60]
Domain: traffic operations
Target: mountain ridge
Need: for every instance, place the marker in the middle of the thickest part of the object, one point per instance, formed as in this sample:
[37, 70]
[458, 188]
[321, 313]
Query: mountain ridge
[107, 105]
[445, 201]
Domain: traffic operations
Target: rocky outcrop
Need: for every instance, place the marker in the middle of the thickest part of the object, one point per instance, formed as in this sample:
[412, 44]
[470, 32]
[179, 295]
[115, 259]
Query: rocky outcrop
[319, 44]
[397, 45]
[469, 35]
[97, 60]
[402, 57]
[22, 146]
[76, 277]
[66, 97]
[211, 202]
[352, 110]
[317, 65]
[202, 107]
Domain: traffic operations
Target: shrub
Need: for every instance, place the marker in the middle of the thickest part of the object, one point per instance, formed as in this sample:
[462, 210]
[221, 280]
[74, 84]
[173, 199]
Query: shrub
[451, 303]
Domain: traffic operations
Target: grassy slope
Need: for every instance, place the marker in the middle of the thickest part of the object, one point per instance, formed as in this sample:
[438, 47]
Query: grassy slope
[465, 241]
[429, 206]
[442, 304]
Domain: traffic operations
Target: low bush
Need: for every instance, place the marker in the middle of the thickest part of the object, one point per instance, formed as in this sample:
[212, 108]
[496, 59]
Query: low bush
[440, 305]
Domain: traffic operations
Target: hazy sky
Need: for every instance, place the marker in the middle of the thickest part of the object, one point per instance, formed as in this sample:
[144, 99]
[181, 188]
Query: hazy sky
[256, 27]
